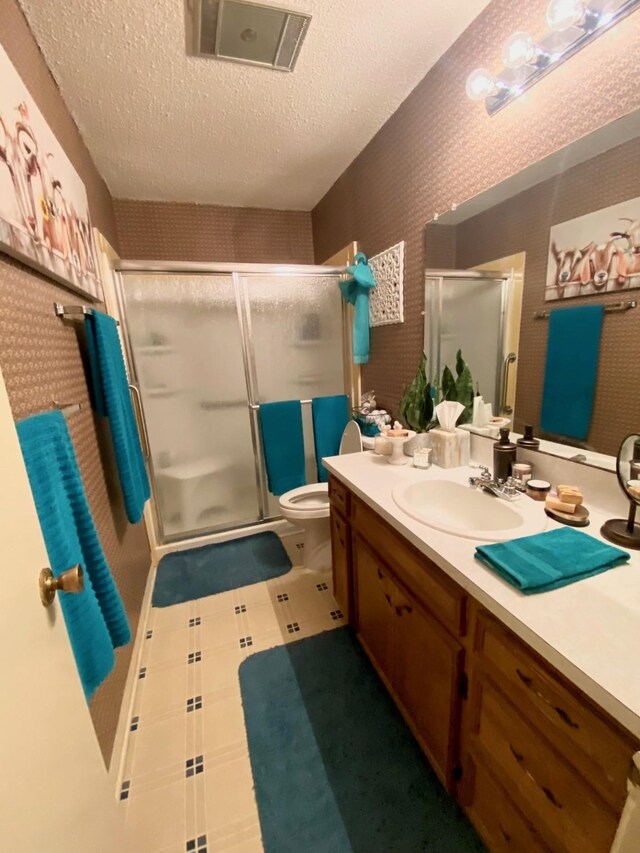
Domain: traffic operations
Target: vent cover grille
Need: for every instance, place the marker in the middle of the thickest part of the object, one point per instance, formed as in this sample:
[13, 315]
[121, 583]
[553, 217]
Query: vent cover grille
[239, 31]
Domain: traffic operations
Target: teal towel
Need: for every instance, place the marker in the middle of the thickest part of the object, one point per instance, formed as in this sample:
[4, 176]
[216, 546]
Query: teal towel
[330, 417]
[550, 560]
[95, 618]
[571, 371]
[112, 399]
[283, 444]
[356, 291]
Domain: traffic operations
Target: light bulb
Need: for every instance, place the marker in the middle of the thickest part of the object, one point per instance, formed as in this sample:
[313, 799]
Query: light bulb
[519, 49]
[480, 84]
[562, 14]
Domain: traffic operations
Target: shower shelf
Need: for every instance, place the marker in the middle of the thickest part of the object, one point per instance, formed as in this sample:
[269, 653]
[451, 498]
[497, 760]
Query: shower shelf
[161, 392]
[156, 350]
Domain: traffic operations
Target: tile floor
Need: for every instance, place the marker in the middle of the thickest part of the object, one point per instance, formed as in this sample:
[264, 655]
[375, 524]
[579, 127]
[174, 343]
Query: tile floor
[187, 774]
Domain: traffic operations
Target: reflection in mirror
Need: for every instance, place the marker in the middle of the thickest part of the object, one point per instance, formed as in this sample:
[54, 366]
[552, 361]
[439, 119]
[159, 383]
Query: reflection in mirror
[564, 235]
[620, 530]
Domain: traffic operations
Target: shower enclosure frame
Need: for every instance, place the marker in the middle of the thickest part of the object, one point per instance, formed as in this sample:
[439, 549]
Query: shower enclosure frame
[237, 273]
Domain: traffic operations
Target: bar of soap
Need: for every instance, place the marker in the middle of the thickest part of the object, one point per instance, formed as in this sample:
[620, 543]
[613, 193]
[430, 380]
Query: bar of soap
[570, 495]
[559, 506]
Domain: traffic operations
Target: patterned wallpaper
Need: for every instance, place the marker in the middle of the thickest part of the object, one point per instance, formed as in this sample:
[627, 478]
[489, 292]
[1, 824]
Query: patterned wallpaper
[41, 360]
[173, 231]
[441, 148]
[522, 224]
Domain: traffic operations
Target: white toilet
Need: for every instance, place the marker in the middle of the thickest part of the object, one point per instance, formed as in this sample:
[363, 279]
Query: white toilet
[308, 508]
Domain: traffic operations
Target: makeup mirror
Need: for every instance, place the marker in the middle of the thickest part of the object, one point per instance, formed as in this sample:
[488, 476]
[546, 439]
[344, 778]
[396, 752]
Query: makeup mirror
[619, 530]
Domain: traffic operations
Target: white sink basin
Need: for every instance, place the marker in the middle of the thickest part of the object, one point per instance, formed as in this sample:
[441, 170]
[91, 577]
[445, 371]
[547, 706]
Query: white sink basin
[471, 513]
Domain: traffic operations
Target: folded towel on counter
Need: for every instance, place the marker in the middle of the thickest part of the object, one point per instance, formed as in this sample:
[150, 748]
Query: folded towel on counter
[571, 370]
[95, 618]
[330, 417]
[550, 560]
[112, 399]
[283, 444]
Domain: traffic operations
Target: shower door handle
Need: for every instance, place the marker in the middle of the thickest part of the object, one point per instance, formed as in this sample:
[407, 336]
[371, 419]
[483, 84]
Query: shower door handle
[142, 426]
[509, 360]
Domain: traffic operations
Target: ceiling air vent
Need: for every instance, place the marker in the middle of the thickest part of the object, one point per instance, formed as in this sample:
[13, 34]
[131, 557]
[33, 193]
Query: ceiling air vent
[240, 31]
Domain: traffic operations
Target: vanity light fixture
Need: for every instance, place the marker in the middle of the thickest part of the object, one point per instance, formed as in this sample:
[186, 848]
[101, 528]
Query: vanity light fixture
[572, 25]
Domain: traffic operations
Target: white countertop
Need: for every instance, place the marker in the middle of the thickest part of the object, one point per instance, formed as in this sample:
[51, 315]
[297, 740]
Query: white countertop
[589, 630]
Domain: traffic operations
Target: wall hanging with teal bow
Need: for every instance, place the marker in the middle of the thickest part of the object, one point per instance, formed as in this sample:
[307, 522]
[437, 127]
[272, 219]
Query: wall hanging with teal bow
[357, 291]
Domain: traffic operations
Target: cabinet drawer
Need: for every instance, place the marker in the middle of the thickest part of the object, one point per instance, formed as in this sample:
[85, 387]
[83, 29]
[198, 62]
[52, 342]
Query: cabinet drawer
[594, 745]
[567, 812]
[499, 823]
[435, 591]
[340, 561]
[339, 496]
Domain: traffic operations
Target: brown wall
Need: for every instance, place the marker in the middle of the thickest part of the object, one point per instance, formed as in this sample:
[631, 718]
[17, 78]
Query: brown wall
[40, 357]
[172, 231]
[441, 148]
[522, 224]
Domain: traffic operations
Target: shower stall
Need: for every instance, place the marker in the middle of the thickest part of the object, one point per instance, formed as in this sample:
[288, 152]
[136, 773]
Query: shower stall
[207, 344]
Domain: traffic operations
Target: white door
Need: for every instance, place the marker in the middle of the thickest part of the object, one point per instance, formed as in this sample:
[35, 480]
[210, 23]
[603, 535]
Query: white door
[55, 795]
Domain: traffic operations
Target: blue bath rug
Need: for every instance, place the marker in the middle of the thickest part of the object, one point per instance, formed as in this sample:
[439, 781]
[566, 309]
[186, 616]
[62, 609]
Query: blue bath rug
[186, 575]
[335, 766]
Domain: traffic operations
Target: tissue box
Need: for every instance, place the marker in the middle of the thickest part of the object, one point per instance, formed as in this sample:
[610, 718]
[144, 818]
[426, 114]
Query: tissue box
[450, 449]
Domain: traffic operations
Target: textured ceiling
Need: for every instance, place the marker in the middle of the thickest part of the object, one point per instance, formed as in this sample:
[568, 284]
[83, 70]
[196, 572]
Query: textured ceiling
[162, 125]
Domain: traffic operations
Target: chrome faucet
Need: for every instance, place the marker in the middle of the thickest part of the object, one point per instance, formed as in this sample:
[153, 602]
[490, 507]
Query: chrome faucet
[506, 490]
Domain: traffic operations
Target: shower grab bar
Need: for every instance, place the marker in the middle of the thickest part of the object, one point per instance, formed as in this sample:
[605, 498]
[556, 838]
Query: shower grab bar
[509, 360]
[63, 311]
[142, 425]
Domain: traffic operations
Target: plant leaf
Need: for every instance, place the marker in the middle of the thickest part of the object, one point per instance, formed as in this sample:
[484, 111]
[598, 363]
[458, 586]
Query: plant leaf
[448, 385]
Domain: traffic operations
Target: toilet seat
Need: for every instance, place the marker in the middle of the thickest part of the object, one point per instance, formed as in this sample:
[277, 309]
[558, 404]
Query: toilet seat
[311, 501]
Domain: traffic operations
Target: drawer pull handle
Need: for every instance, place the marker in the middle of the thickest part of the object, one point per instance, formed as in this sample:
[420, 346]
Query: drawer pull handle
[519, 757]
[388, 598]
[528, 682]
[380, 575]
[525, 679]
[546, 791]
[403, 608]
[505, 835]
[549, 795]
[566, 718]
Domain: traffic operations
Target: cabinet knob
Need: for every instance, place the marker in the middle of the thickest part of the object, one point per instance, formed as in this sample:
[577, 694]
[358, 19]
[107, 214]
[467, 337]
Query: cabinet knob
[71, 580]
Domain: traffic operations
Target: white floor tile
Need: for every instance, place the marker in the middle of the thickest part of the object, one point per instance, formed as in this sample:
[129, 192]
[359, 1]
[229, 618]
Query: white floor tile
[165, 808]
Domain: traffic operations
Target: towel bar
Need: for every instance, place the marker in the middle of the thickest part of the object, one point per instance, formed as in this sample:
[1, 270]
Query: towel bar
[257, 405]
[68, 408]
[612, 308]
[63, 311]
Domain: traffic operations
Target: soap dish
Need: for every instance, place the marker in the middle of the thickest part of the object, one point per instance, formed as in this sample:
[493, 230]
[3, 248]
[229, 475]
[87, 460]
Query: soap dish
[579, 518]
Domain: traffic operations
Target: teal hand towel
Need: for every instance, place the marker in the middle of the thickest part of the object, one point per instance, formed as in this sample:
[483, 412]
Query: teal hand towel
[356, 291]
[550, 560]
[330, 417]
[283, 445]
[571, 370]
[112, 399]
[95, 618]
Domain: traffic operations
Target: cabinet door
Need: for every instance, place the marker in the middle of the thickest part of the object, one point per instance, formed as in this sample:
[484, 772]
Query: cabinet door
[427, 676]
[340, 559]
[374, 606]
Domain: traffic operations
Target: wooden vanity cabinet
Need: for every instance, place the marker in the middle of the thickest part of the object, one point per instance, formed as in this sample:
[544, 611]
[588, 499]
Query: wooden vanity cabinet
[535, 763]
[409, 619]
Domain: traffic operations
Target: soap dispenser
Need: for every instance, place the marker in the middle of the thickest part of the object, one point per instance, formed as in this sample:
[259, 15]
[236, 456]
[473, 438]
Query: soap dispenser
[528, 440]
[504, 455]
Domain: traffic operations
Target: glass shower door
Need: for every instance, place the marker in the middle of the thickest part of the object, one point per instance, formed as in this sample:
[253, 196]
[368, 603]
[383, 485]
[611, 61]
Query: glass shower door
[188, 356]
[467, 313]
[294, 325]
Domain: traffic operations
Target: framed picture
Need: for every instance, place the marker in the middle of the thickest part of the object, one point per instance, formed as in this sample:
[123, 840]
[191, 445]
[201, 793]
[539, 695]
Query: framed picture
[595, 253]
[44, 213]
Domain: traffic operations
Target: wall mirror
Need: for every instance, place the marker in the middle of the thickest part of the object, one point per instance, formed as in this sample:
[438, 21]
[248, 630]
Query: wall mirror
[537, 283]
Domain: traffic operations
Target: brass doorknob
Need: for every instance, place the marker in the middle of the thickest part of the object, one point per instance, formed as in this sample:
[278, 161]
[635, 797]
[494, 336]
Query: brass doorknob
[72, 580]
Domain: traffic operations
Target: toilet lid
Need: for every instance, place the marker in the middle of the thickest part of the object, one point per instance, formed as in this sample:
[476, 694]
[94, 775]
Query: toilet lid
[351, 441]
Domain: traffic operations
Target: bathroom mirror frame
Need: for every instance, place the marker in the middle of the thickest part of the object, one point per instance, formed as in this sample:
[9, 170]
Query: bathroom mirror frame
[600, 141]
